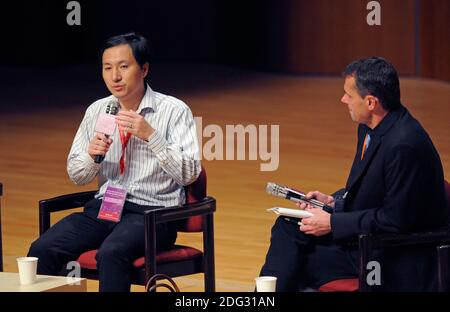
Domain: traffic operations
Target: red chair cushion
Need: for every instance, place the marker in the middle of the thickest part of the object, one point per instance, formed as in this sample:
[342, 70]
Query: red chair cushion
[348, 284]
[177, 253]
[87, 260]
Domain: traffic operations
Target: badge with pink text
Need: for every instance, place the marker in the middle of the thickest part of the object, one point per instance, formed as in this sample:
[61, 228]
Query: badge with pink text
[112, 204]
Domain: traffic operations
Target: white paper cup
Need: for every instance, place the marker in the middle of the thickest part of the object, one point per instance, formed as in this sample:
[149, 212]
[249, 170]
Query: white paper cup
[266, 283]
[27, 270]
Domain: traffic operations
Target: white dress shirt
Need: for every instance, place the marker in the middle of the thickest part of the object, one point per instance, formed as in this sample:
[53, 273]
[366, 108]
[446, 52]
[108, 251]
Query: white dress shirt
[155, 171]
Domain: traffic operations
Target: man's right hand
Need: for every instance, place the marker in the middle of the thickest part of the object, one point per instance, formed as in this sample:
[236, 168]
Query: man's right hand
[99, 145]
[324, 198]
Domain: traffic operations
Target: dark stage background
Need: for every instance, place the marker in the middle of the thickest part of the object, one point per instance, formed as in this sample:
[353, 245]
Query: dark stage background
[296, 36]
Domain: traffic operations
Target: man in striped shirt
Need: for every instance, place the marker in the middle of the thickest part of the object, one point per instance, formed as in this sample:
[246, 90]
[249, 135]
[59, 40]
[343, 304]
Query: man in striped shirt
[152, 156]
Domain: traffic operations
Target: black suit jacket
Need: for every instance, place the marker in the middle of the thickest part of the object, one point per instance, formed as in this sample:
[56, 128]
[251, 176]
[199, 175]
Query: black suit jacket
[397, 187]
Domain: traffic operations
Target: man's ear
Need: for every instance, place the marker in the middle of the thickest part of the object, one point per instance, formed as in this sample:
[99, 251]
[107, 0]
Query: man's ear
[372, 102]
[145, 69]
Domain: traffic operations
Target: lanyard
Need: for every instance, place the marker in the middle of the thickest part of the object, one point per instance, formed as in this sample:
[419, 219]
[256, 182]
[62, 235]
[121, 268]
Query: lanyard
[124, 139]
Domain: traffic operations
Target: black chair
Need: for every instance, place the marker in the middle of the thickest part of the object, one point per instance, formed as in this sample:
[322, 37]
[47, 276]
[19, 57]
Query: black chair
[195, 216]
[440, 238]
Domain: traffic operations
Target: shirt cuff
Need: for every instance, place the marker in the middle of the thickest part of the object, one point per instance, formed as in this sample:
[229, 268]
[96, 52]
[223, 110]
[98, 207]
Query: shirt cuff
[158, 145]
[90, 164]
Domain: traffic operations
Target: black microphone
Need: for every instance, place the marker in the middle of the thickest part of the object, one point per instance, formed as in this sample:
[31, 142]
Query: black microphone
[296, 196]
[112, 108]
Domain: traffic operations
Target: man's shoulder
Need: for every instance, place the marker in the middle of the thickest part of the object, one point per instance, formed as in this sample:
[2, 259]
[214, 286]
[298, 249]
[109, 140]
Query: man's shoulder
[409, 128]
[169, 102]
[408, 132]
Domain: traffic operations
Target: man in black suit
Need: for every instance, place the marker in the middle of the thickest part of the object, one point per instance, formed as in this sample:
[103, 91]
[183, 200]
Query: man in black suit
[395, 185]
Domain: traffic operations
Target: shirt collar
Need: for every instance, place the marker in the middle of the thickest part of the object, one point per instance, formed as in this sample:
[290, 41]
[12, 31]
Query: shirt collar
[147, 102]
[386, 123]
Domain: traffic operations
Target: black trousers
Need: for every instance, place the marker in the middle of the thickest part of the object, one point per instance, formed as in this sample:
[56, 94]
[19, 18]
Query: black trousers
[300, 261]
[118, 244]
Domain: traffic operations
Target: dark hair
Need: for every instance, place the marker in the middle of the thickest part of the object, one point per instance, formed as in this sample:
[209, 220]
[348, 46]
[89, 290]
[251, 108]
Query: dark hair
[377, 77]
[137, 43]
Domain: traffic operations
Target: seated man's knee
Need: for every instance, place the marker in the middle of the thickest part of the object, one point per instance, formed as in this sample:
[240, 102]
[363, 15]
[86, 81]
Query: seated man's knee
[38, 248]
[111, 253]
[282, 225]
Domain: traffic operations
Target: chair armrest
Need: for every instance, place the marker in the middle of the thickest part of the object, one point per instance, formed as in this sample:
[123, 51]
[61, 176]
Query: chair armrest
[387, 240]
[368, 242]
[67, 201]
[166, 214]
[64, 202]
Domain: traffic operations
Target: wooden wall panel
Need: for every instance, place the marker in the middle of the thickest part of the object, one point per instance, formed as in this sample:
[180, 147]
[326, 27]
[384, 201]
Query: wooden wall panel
[325, 35]
[435, 39]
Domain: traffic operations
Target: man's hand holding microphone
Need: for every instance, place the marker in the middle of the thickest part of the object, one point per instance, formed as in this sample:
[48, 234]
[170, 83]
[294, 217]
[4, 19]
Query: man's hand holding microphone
[99, 145]
[105, 127]
[128, 121]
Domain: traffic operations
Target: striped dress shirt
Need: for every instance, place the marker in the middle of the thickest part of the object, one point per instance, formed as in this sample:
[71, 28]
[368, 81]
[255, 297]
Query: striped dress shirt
[155, 170]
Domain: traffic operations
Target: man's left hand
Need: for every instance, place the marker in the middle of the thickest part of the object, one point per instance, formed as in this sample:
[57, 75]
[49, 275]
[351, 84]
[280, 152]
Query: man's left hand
[317, 225]
[134, 123]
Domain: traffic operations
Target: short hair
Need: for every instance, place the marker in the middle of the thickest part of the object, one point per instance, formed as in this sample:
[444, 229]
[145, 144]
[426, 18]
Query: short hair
[137, 43]
[376, 76]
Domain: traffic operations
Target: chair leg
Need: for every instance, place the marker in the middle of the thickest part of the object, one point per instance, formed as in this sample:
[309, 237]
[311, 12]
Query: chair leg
[208, 252]
[150, 246]
[443, 255]
[365, 249]
[210, 280]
